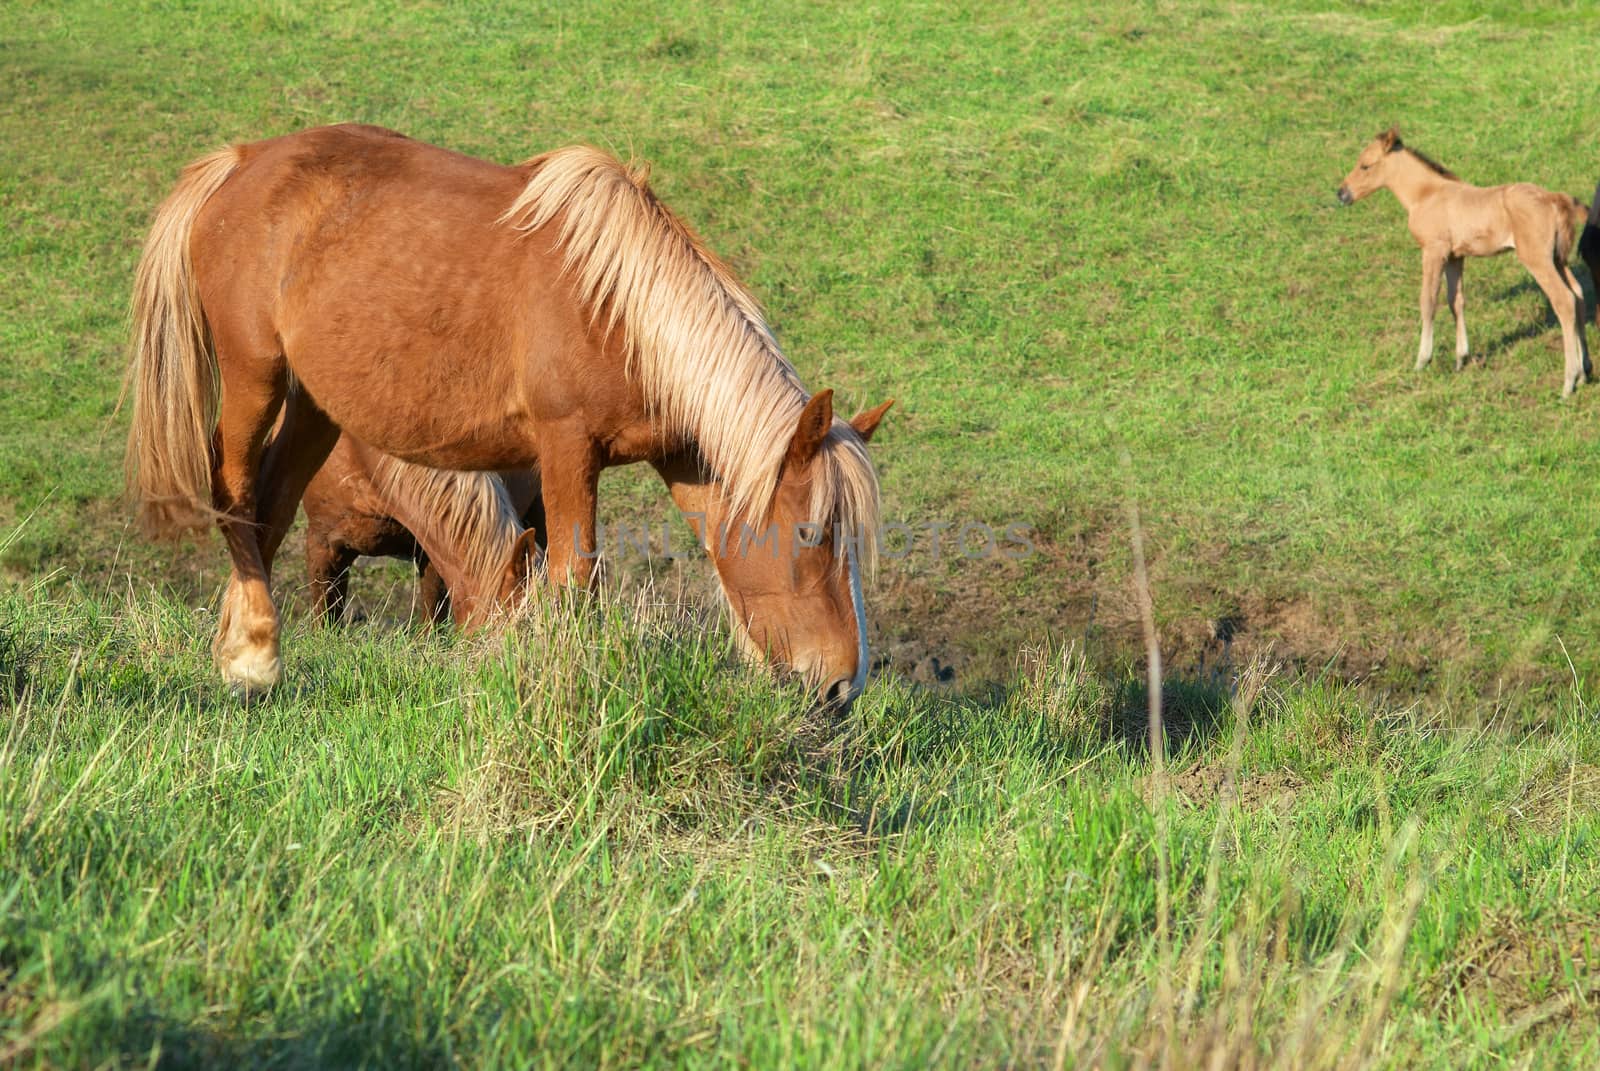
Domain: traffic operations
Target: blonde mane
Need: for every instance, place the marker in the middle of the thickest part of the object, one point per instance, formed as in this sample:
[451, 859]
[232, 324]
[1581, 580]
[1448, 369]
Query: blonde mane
[695, 339]
[469, 511]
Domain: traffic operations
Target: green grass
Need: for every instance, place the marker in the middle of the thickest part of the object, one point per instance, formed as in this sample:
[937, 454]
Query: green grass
[596, 843]
[1060, 236]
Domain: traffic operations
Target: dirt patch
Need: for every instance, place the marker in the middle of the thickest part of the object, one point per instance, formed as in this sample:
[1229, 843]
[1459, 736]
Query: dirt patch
[972, 617]
[1205, 784]
[961, 622]
[1540, 973]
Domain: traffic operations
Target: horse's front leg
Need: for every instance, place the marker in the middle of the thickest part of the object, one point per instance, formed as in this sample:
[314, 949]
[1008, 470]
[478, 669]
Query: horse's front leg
[1458, 307]
[571, 475]
[1432, 264]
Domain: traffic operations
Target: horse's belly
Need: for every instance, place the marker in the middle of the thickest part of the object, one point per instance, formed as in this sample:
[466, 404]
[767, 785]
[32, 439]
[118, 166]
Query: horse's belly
[409, 400]
[1482, 243]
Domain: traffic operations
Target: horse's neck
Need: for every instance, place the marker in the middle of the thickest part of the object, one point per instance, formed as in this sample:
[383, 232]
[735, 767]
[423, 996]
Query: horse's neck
[1412, 181]
[471, 596]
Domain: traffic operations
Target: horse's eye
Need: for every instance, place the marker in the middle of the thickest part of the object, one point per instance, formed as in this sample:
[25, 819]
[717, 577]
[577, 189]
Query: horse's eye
[1365, 166]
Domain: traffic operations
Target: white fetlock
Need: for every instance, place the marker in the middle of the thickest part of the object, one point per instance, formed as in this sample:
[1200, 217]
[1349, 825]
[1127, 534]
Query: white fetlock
[245, 650]
[251, 673]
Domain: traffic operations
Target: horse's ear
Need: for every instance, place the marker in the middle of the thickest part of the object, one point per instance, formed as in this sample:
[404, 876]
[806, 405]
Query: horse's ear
[866, 423]
[815, 421]
[525, 564]
[1390, 139]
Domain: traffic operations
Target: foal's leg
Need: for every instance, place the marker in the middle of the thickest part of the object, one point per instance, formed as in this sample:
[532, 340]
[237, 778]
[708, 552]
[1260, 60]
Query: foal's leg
[1546, 273]
[328, 565]
[1432, 264]
[1589, 249]
[1577, 296]
[433, 594]
[1452, 289]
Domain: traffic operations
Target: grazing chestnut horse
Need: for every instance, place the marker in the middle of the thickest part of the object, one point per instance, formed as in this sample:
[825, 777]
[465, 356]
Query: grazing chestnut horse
[1452, 220]
[461, 315]
[363, 503]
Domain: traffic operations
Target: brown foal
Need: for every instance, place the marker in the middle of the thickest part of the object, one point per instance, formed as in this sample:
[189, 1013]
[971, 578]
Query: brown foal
[1452, 220]
[352, 510]
[461, 315]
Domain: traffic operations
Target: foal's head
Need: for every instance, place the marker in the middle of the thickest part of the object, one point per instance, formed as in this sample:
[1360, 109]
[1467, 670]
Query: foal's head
[793, 579]
[1371, 170]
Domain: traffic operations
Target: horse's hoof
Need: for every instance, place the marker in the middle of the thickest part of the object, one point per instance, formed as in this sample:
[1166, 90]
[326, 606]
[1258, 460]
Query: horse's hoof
[251, 673]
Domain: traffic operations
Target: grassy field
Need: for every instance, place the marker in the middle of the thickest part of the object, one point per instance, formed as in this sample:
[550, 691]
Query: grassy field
[1095, 255]
[598, 844]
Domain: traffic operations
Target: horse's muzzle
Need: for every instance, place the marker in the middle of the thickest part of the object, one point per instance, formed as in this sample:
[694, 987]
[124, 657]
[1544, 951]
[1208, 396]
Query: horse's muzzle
[1344, 196]
[839, 696]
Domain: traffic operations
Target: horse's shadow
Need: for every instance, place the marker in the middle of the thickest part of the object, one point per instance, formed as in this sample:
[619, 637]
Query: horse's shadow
[859, 777]
[355, 1030]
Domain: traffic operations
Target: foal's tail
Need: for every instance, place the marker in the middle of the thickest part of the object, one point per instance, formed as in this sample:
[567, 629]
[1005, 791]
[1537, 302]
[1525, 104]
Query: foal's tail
[1577, 214]
[172, 366]
[1571, 216]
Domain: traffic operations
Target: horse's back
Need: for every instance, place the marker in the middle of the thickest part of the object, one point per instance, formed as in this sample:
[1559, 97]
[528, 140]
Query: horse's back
[353, 178]
[380, 269]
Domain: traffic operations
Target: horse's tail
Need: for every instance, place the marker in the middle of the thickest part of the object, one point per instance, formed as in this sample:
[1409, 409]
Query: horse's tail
[172, 366]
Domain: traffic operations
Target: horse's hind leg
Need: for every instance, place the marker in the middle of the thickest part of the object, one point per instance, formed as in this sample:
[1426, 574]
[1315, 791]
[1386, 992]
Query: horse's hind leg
[1432, 263]
[1551, 280]
[246, 645]
[297, 452]
[1458, 307]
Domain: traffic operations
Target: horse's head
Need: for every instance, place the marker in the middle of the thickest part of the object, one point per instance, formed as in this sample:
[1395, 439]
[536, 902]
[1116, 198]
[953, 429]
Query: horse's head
[793, 580]
[1370, 171]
